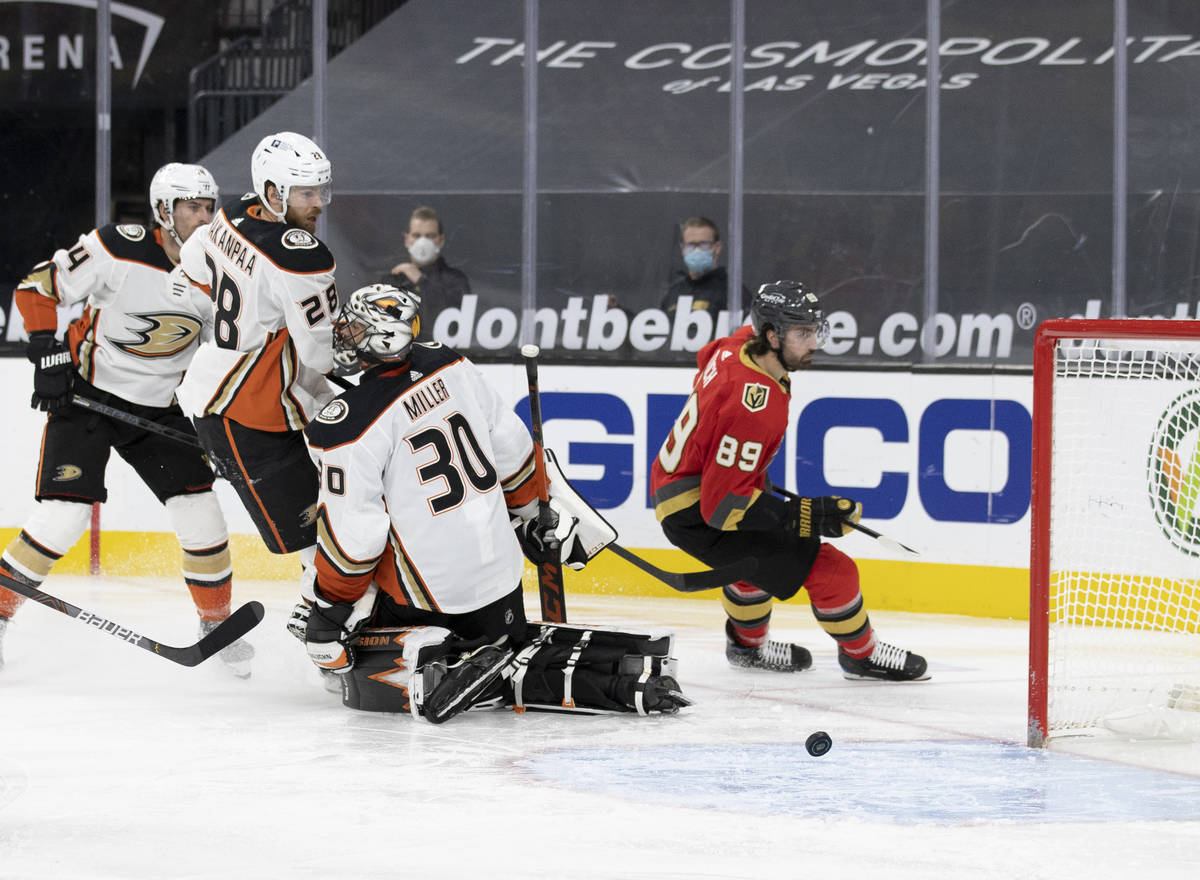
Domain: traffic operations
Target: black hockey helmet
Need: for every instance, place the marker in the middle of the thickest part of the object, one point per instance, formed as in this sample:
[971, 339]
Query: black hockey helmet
[779, 304]
[377, 323]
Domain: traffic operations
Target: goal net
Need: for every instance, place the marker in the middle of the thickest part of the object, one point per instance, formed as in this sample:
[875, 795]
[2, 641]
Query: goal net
[1115, 547]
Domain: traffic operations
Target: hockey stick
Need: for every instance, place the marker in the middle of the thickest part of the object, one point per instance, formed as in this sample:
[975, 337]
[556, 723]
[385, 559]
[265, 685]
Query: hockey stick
[690, 581]
[890, 543]
[137, 421]
[550, 573]
[225, 634]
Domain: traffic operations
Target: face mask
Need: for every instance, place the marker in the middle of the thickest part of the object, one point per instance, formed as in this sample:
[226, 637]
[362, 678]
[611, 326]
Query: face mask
[423, 251]
[698, 261]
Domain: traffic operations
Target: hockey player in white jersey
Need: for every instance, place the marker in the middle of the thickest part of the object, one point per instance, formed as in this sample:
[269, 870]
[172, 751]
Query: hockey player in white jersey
[128, 351]
[422, 466]
[260, 378]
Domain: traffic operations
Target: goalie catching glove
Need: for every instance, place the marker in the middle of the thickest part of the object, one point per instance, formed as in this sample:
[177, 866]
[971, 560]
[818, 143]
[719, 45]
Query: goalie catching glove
[572, 532]
[829, 516]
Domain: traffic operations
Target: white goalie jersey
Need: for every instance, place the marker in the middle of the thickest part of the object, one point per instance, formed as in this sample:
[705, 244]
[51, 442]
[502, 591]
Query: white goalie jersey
[138, 333]
[419, 467]
[273, 299]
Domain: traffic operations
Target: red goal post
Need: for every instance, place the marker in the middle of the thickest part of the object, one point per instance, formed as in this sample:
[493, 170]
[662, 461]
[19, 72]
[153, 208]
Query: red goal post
[1114, 611]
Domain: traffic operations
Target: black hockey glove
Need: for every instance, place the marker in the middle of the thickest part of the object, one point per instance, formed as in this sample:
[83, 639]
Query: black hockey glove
[328, 642]
[829, 516]
[53, 371]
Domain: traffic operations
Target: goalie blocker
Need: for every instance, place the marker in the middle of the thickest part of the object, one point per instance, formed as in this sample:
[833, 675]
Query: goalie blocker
[559, 668]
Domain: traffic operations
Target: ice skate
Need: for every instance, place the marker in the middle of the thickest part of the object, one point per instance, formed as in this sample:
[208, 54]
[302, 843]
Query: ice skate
[467, 681]
[776, 656]
[886, 663]
[236, 656]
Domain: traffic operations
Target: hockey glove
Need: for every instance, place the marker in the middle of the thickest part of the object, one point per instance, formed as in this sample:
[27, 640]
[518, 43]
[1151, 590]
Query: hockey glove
[326, 637]
[829, 516]
[556, 539]
[53, 371]
[297, 623]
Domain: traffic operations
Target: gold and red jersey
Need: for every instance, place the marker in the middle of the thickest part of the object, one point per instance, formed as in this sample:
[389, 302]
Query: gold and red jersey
[273, 301]
[138, 333]
[717, 453]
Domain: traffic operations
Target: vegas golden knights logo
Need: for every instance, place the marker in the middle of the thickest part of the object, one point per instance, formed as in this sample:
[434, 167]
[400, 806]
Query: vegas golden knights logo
[163, 334]
[1173, 469]
[754, 396]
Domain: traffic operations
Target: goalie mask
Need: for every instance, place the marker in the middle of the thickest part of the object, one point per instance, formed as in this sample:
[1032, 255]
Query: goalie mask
[780, 304]
[290, 160]
[176, 181]
[376, 325]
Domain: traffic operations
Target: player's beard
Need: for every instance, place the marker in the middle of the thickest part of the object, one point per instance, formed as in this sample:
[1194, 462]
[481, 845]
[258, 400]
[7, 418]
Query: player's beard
[792, 366]
[306, 221]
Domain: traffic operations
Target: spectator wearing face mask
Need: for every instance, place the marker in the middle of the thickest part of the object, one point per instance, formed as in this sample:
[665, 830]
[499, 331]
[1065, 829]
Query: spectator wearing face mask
[426, 271]
[701, 278]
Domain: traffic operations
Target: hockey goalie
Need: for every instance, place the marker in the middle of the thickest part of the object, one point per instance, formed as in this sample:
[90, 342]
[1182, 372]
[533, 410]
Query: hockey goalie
[428, 498]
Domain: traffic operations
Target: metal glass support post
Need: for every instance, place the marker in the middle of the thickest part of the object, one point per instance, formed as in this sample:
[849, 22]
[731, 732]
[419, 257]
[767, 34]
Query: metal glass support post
[933, 123]
[529, 204]
[737, 125]
[1120, 193]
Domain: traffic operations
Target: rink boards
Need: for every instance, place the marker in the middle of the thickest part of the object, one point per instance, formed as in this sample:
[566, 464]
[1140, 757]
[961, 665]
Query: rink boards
[940, 462]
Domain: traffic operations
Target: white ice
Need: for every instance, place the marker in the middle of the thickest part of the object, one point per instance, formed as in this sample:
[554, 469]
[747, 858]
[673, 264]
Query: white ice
[115, 763]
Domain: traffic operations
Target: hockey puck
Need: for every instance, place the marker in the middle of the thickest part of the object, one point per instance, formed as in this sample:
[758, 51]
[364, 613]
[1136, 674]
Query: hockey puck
[818, 743]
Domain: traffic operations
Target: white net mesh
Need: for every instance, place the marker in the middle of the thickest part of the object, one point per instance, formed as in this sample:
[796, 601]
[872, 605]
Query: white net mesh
[1124, 580]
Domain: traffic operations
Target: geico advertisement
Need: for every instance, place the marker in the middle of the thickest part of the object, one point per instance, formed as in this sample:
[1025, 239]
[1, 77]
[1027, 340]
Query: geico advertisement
[940, 463]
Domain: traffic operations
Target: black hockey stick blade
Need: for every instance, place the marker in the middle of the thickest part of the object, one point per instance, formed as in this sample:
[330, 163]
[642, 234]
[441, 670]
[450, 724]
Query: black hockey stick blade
[223, 635]
[690, 581]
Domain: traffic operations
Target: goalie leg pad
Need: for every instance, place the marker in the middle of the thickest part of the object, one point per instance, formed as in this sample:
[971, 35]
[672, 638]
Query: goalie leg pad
[592, 671]
[391, 665]
[397, 668]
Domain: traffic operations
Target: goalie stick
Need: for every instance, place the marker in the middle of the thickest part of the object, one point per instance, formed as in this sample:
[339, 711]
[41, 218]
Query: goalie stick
[226, 632]
[690, 581]
[890, 543]
[549, 571]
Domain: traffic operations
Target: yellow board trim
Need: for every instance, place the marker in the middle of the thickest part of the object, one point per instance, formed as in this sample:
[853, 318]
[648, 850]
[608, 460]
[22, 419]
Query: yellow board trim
[973, 590]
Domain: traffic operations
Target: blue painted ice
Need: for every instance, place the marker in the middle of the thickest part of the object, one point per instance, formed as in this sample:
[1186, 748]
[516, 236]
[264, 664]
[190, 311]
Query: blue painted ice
[900, 782]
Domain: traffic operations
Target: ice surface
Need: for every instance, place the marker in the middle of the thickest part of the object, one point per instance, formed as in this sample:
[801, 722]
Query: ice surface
[118, 764]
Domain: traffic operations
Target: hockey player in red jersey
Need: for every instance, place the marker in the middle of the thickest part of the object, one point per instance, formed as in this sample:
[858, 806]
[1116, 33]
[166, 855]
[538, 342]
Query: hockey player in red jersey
[129, 350]
[423, 468]
[713, 497]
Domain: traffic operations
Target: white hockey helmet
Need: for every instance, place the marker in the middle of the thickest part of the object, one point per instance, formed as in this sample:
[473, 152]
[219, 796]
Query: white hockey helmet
[376, 324]
[175, 181]
[287, 159]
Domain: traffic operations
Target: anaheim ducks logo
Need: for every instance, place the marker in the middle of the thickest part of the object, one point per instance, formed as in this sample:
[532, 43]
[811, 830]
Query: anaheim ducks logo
[1174, 472]
[308, 516]
[298, 239]
[163, 334]
[40, 280]
[66, 472]
[754, 396]
[333, 412]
